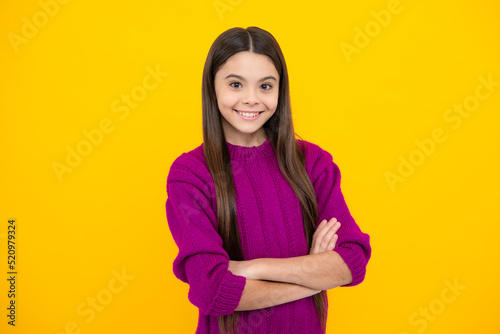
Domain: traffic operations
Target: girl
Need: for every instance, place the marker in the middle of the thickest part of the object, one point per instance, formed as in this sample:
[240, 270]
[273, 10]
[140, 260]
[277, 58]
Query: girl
[258, 216]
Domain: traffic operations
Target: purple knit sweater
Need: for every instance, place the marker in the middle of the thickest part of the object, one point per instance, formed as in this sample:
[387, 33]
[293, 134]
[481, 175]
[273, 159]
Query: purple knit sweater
[270, 222]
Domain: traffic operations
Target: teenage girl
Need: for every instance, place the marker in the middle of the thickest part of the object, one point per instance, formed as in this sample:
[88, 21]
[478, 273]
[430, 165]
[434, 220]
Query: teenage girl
[257, 214]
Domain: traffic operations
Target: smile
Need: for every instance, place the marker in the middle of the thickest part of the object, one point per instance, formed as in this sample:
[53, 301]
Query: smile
[248, 115]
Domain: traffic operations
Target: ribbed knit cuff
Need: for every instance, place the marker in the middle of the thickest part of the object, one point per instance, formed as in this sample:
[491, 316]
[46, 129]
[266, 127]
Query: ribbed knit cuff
[229, 294]
[354, 258]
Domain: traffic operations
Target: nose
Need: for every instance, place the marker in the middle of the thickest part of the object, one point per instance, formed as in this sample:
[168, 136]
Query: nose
[250, 97]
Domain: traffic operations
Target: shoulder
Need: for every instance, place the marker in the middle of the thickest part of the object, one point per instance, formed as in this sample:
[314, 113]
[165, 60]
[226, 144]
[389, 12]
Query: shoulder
[190, 167]
[316, 158]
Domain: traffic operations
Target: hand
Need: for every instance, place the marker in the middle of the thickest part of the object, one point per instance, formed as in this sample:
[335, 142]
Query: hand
[325, 237]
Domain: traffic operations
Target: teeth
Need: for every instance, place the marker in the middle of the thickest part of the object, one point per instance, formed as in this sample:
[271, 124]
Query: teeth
[248, 114]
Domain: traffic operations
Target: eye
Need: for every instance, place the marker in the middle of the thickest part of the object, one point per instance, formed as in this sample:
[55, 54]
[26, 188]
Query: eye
[268, 86]
[233, 83]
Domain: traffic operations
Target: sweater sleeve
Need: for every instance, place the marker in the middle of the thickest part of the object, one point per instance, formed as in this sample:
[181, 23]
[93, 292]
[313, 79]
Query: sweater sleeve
[201, 262]
[352, 245]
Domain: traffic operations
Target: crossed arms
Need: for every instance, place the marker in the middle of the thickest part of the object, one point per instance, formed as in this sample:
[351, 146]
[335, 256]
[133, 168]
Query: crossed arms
[275, 281]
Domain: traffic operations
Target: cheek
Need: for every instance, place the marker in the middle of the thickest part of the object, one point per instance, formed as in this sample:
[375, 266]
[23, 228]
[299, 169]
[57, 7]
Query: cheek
[227, 100]
[271, 102]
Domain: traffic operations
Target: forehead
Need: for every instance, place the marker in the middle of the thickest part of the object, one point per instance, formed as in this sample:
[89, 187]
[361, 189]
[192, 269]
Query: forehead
[249, 65]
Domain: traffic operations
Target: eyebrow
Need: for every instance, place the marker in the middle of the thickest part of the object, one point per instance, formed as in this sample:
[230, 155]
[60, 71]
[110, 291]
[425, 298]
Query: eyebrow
[243, 79]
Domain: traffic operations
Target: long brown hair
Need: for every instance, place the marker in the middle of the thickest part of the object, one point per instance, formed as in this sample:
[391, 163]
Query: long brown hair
[279, 129]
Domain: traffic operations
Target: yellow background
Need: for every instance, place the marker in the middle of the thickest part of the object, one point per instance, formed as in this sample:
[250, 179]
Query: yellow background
[107, 215]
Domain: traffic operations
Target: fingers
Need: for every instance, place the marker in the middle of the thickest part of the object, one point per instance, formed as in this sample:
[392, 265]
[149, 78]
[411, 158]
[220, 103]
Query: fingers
[323, 230]
[325, 244]
[333, 242]
[318, 229]
[325, 236]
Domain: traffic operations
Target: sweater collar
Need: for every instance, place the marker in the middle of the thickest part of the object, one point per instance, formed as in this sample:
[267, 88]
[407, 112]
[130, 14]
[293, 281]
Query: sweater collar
[262, 151]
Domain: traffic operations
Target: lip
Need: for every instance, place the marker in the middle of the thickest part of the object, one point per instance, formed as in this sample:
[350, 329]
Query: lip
[248, 118]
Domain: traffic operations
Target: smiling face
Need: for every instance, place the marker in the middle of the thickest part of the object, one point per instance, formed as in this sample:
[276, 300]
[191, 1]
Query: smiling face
[247, 89]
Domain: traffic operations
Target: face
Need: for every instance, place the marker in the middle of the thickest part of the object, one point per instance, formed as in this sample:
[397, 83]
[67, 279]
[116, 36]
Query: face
[247, 87]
